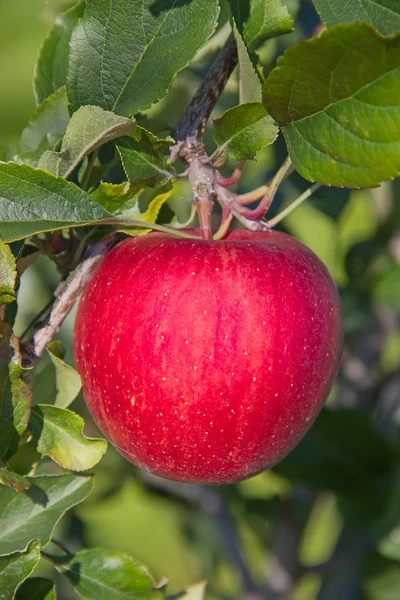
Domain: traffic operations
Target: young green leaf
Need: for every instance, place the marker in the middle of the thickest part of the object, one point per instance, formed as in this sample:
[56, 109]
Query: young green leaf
[384, 15]
[337, 99]
[35, 512]
[8, 274]
[33, 201]
[46, 127]
[113, 196]
[244, 130]
[265, 20]
[89, 128]
[15, 396]
[131, 212]
[124, 55]
[16, 567]
[144, 157]
[36, 588]
[250, 88]
[58, 434]
[13, 480]
[52, 63]
[102, 575]
[68, 381]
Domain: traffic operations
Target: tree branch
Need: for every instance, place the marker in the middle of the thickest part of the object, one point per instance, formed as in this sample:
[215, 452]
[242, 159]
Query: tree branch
[194, 119]
[66, 298]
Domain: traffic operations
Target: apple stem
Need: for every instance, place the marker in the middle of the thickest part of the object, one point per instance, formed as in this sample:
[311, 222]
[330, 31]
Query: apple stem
[227, 182]
[272, 222]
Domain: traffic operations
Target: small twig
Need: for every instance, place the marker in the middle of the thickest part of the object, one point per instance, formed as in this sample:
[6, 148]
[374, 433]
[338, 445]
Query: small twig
[36, 318]
[61, 546]
[272, 222]
[70, 292]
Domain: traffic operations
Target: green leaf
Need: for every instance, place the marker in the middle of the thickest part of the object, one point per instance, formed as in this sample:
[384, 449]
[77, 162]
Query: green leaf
[67, 379]
[15, 396]
[244, 130]
[46, 127]
[33, 201]
[240, 12]
[35, 512]
[131, 212]
[102, 575]
[16, 567]
[36, 588]
[144, 158]
[52, 63]
[250, 89]
[8, 274]
[337, 98]
[127, 64]
[260, 20]
[113, 196]
[89, 128]
[58, 434]
[384, 15]
[13, 480]
[267, 20]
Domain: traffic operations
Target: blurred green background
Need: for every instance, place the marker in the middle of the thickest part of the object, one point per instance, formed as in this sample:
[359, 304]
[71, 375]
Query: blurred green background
[336, 498]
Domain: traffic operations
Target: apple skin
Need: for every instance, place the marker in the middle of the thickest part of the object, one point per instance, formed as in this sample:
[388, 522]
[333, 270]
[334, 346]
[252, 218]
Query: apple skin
[207, 361]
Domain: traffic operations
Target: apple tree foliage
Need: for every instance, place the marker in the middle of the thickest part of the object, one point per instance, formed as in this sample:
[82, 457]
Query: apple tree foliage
[91, 163]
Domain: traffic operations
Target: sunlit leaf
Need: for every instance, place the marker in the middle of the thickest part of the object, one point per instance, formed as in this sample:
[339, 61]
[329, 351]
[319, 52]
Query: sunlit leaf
[15, 396]
[52, 63]
[89, 128]
[244, 130]
[35, 512]
[45, 129]
[33, 201]
[337, 99]
[16, 567]
[384, 15]
[102, 575]
[126, 64]
[58, 434]
[8, 274]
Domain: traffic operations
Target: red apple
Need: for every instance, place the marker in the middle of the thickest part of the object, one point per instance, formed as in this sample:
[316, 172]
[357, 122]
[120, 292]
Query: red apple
[207, 361]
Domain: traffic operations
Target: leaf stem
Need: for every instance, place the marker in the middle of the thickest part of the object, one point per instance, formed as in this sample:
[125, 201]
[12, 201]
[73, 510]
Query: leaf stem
[227, 182]
[88, 171]
[143, 225]
[272, 222]
[266, 201]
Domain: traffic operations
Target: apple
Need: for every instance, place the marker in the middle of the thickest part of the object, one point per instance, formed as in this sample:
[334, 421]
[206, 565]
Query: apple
[207, 361]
